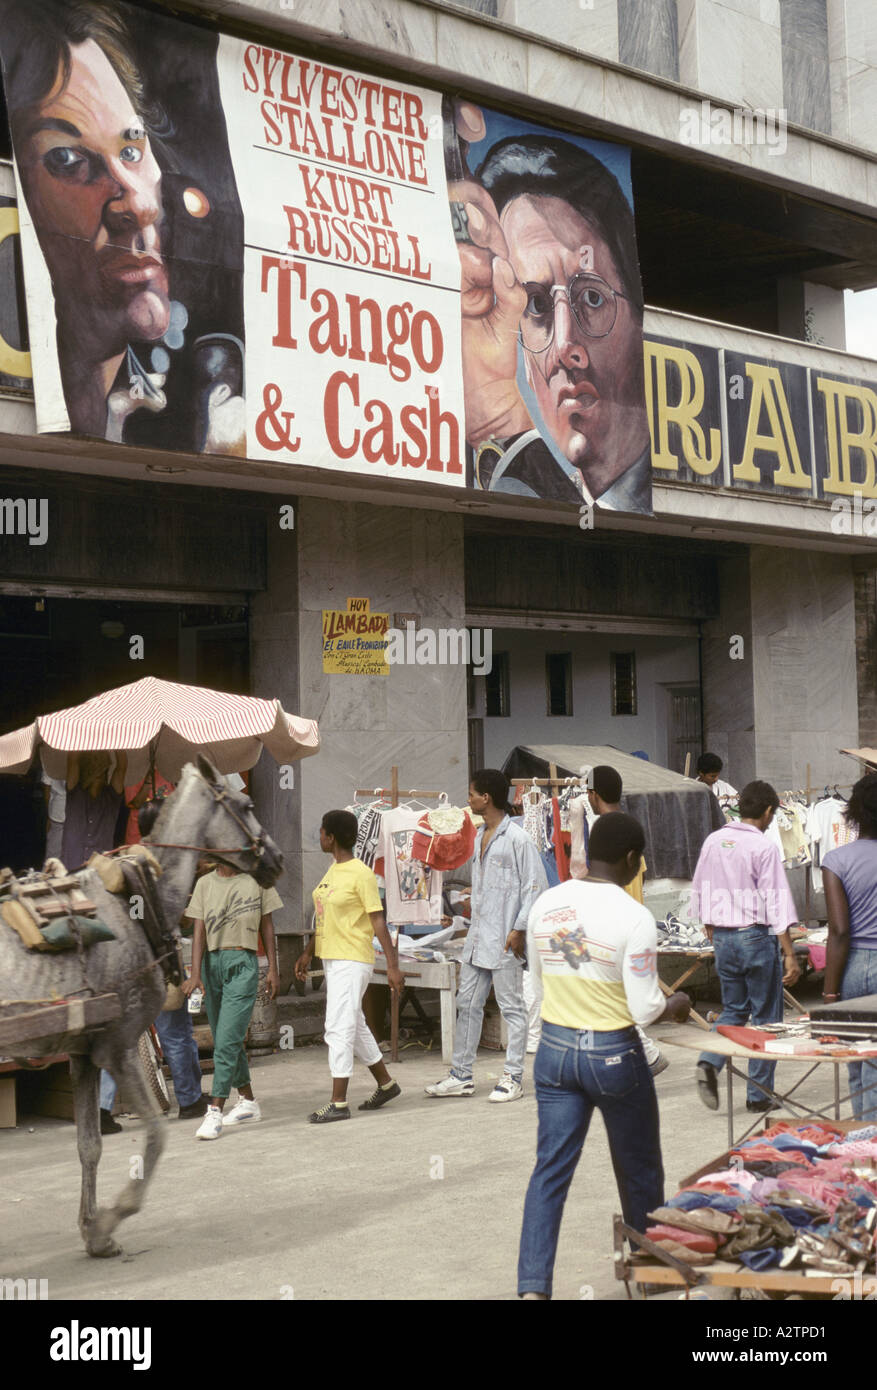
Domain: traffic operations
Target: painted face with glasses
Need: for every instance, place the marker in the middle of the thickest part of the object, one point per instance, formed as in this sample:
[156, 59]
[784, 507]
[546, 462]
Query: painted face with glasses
[582, 338]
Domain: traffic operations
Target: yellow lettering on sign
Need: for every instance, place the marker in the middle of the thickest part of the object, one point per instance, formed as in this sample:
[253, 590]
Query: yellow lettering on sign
[684, 414]
[842, 441]
[768, 392]
[12, 361]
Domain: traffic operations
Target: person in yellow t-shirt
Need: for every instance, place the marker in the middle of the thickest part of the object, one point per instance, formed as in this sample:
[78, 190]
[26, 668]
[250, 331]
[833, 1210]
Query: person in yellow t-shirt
[349, 913]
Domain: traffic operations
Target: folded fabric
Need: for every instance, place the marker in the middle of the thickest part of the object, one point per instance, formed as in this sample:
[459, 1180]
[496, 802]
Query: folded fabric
[756, 1152]
[692, 1240]
[704, 1219]
[817, 1132]
[855, 1148]
[690, 1199]
[759, 1229]
[869, 1132]
[686, 1252]
[763, 1169]
[731, 1177]
[760, 1259]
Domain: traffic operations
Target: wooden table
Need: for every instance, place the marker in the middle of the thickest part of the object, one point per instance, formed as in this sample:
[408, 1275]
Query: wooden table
[684, 1036]
[698, 957]
[425, 974]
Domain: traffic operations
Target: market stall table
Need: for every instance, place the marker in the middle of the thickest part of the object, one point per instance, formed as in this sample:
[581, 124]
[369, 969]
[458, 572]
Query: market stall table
[692, 1038]
[428, 974]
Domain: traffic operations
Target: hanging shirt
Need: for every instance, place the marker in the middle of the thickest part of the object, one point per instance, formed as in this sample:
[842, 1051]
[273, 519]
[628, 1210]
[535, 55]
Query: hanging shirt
[828, 829]
[578, 825]
[343, 899]
[505, 884]
[89, 824]
[596, 952]
[414, 892]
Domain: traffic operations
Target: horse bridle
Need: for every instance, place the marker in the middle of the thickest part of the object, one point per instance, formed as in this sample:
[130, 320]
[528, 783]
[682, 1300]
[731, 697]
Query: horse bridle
[221, 796]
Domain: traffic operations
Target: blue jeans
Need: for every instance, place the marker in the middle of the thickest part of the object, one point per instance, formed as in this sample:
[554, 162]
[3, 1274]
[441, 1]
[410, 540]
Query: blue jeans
[107, 1090]
[508, 986]
[860, 977]
[177, 1039]
[750, 973]
[574, 1072]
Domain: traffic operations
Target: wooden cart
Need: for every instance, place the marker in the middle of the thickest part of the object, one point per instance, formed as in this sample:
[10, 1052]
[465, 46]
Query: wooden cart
[24, 1022]
[640, 1262]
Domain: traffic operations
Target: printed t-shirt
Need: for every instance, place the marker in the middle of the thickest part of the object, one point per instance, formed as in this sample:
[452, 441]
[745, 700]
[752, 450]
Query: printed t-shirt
[343, 899]
[414, 892]
[856, 866]
[231, 909]
[828, 829]
[596, 951]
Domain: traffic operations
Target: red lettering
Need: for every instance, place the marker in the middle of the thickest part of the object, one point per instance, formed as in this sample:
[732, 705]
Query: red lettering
[331, 413]
[438, 418]
[251, 58]
[413, 423]
[283, 337]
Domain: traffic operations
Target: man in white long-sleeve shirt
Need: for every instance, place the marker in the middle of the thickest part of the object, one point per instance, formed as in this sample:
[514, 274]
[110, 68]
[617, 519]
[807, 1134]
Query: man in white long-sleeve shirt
[595, 949]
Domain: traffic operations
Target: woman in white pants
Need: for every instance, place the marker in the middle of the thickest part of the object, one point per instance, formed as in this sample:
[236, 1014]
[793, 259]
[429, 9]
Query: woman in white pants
[349, 913]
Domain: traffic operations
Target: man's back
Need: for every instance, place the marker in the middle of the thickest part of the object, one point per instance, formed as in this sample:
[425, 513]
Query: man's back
[596, 949]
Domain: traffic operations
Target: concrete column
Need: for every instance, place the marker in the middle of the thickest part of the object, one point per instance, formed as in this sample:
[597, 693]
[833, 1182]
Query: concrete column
[274, 674]
[813, 313]
[728, 681]
[404, 561]
[852, 51]
[804, 665]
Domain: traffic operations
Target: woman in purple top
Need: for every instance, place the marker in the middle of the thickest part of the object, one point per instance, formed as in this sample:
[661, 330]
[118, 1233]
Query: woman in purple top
[850, 876]
[92, 805]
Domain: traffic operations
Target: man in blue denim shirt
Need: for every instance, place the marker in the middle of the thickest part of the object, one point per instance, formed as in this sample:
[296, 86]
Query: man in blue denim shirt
[507, 878]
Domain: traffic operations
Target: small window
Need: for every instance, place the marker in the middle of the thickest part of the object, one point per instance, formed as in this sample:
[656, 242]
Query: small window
[623, 675]
[558, 680]
[496, 686]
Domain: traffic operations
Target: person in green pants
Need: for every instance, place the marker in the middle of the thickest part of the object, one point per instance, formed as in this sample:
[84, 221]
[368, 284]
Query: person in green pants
[230, 910]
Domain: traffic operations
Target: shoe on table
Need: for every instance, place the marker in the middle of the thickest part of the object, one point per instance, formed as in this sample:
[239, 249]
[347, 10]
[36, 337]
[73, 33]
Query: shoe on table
[245, 1110]
[107, 1124]
[381, 1097]
[661, 1063]
[211, 1125]
[327, 1113]
[708, 1085]
[507, 1088]
[195, 1111]
[761, 1107]
[451, 1086]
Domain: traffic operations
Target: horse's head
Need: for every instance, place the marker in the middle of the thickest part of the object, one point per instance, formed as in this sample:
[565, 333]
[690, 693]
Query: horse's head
[232, 833]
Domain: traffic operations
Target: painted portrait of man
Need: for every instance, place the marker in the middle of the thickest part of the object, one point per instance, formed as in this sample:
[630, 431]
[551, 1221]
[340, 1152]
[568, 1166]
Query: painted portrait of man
[551, 317]
[134, 213]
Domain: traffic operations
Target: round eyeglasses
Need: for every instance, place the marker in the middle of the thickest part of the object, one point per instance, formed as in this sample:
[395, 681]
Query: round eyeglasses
[593, 305]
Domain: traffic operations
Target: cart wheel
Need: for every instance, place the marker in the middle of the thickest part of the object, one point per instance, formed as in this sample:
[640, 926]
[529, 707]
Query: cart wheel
[152, 1072]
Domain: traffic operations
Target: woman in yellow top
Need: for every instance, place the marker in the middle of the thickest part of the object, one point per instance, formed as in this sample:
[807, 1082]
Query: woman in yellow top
[349, 913]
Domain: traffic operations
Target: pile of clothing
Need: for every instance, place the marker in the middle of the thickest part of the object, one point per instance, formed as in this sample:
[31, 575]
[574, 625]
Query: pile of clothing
[794, 1197]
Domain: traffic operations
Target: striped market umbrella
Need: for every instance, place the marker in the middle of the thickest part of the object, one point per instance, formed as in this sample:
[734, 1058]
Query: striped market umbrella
[164, 723]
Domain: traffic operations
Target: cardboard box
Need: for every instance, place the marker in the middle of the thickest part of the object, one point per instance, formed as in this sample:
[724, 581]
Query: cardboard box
[7, 1102]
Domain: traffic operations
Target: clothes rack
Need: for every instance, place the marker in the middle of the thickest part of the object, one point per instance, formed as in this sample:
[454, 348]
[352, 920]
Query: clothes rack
[394, 792]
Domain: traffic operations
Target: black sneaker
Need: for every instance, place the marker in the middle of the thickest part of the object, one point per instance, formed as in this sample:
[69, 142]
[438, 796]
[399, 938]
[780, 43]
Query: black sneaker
[195, 1110]
[708, 1085]
[760, 1107]
[327, 1113]
[107, 1124]
[380, 1097]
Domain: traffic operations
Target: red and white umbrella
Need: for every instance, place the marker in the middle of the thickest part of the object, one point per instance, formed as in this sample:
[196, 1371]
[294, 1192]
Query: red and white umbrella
[165, 722]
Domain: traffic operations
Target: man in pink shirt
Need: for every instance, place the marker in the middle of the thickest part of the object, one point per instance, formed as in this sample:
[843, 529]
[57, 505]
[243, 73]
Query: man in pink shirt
[742, 896]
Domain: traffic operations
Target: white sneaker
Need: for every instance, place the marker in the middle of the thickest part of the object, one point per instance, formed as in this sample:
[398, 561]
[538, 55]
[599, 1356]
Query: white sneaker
[451, 1086]
[507, 1089]
[211, 1125]
[244, 1110]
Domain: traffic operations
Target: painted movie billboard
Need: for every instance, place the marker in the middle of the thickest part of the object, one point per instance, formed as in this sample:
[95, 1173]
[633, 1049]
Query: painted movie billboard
[233, 250]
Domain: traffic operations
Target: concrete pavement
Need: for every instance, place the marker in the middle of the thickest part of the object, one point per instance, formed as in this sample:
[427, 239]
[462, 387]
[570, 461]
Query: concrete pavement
[421, 1200]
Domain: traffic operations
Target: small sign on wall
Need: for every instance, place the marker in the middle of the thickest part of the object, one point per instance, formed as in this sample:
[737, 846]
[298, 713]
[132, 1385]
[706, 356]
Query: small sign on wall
[355, 640]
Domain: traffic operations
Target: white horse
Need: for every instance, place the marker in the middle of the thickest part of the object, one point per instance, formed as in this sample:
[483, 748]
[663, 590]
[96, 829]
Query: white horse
[203, 814]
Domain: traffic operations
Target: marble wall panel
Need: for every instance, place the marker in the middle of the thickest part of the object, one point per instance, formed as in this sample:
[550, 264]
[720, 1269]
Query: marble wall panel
[648, 36]
[806, 86]
[588, 25]
[731, 51]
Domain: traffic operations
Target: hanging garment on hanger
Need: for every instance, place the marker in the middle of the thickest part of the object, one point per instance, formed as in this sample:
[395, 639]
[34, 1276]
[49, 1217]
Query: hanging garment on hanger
[446, 838]
[828, 829]
[534, 820]
[561, 843]
[413, 891]
[787, 831]
[369, 817]
[578, 821]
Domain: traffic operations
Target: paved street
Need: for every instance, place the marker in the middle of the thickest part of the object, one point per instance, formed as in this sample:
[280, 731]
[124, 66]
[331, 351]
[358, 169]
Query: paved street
[420, 1201]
